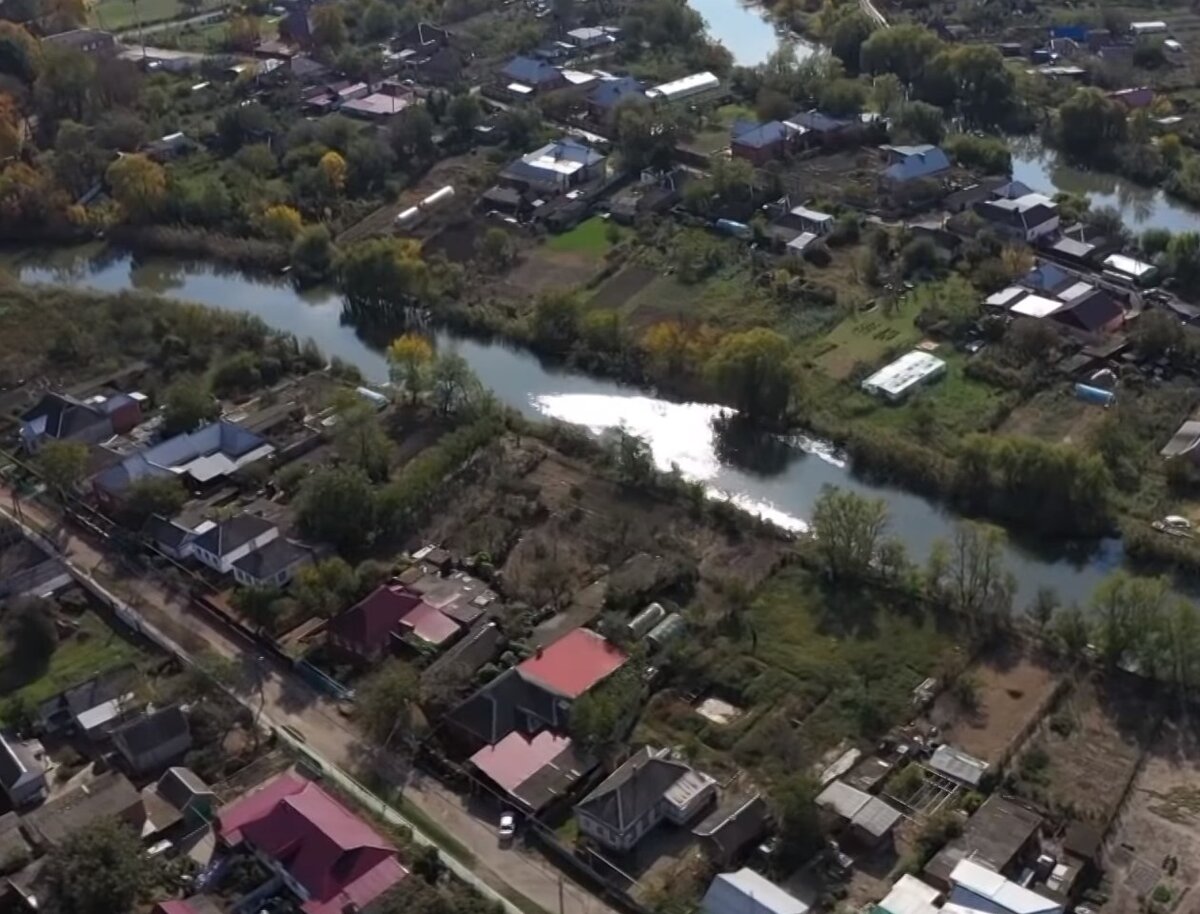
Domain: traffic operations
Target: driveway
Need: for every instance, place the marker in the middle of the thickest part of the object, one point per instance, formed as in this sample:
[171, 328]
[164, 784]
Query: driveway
[286, 700]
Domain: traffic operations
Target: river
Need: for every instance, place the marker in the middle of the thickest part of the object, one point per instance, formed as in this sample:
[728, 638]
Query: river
[777, 479]
[1140, 207]
[747, 31]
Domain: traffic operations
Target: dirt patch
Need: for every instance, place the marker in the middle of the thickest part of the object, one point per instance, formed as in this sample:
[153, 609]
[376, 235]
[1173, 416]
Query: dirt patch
[622, 287]
[1156, 842]
[1095, 736]
[1012, 691]
[1054, 415]
[545, 269]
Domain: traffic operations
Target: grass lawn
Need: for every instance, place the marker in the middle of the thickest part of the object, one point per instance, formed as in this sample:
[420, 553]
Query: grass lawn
[589, 237]
[952, 406]
[865, 337]
[94, 648]
[728, 300]
[120, 14]
[715, 134]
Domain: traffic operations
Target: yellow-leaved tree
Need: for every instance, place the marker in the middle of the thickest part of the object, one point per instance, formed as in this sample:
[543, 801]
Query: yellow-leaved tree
[138, 184]
[281, 222]
[409, 357]
[333, 168]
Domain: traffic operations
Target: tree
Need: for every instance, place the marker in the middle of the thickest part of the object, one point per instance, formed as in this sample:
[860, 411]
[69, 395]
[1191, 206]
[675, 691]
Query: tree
[139, 185]
[412, 136]
[242, 32]
[387, 703]
[65, 83]
[62, 464]
[1090, 124]
[1128, 610]
[919, 122]
[150, 496]
[464, 113]
[496, 248]
[381, 275]
[453, 384]
[887, 93]
[848, 529]
[632, 459]
[328, 27]
[327, 587]
[257, 605]
[799, 826]
[360, 441]
[1042, 609]
[644, 136]
[281, 222]
[11, 127]
[845, 38]
[313, 254]
[555, 323]
[601, 715]
[409, 357]
[904, 50]
[1071, 632]
[1183, 258]
[333, 169]
[753, 369]
[1155, 333]
[188, 404]
[337, 505]
[379, 21]
[20, 54]
[970, 573]
[99, 869]
[28, 627]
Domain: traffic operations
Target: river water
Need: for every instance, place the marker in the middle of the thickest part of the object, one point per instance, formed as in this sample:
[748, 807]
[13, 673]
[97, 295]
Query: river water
[777, 479]
[1140, 207]
[745, 29]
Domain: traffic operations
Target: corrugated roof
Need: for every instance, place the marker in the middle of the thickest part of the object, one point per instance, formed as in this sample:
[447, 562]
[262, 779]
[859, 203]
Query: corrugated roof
[959, 765]
[746, 892]
[574, 663]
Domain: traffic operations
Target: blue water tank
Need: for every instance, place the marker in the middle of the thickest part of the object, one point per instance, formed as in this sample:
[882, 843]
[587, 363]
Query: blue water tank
[729, 227]
[1096, 395]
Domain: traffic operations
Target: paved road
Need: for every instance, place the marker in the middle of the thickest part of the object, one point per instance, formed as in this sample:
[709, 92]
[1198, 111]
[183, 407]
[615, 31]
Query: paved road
[286, 700]
[873, 13]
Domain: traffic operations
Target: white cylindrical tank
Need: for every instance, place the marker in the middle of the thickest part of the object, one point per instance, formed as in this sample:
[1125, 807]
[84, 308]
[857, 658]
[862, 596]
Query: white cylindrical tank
[409, 215]
[438, 196]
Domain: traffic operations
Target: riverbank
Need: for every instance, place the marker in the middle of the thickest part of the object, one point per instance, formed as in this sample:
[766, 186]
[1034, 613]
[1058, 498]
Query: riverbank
[776, 478]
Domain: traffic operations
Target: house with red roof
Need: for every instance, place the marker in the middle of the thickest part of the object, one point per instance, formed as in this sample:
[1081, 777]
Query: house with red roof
[328, 857]
[532, 771]
[387, 616]
[538, 693]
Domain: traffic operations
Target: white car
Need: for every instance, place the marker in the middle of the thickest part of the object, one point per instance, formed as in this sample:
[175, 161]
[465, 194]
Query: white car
[508, 827]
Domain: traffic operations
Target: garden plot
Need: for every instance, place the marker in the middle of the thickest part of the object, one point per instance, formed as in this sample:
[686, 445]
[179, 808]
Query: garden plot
[1009, 692]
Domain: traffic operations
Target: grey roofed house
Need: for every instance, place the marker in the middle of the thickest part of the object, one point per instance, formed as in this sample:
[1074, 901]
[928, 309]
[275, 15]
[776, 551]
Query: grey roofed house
[1184, 441]
[109, 796]
[480, 646]
[183, 788]
[995, 837]
[79, 705]
[507, 703]
[647, 788]
[737, 822]
[167, 534]
[863, 812]
[153, 739]
[746, 892]
[22, 773]
[267, 564]
[178, 796]
[86, 41]
[958, 765]
[61, 417]
[232, 533]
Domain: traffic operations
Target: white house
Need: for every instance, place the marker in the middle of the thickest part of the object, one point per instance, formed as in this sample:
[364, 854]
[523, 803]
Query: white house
[22, 771]
[230, 541]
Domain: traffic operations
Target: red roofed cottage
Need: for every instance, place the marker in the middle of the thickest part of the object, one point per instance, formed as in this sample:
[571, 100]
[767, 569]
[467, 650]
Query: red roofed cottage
[327, 856]
[573, 664]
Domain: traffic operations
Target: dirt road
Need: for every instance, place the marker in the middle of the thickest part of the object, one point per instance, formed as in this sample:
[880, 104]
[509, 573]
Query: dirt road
[284, 700]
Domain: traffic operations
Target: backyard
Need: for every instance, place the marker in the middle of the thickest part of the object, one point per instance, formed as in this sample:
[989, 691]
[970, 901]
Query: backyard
[91, 648]
[593, 236]
[802, 669]
[115, 15]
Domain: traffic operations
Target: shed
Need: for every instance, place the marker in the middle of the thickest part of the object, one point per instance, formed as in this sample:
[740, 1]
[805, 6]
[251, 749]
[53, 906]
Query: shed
[746, 892]
[958, 766]
[910, 896]
[898, 379]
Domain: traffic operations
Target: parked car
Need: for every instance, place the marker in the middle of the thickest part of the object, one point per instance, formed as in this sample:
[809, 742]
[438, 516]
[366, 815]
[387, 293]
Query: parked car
[508, 827]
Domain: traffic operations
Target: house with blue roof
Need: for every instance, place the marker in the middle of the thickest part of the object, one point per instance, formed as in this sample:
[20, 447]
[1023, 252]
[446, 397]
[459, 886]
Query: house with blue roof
[759, 143]
[198, 459]
[912, 163]
[555, 168]
[603, 99]
[532, 75]
[1048, 277]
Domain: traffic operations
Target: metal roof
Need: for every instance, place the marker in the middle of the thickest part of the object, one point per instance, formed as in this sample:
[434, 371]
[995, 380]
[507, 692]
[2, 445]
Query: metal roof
[746, 892]
[957, 764]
